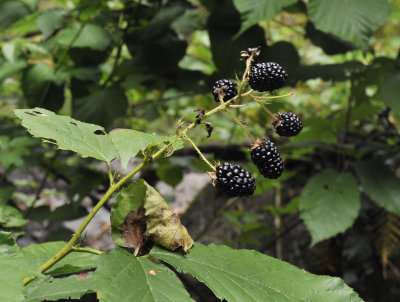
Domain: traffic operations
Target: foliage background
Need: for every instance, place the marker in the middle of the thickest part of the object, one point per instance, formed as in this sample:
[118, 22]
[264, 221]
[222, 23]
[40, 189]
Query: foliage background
[144, 64]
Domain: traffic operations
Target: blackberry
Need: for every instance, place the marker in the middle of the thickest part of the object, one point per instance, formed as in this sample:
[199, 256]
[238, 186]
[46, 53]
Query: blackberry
[266, 157]
[226, 87]
[267, 76]
[233, 180]
[288, 124]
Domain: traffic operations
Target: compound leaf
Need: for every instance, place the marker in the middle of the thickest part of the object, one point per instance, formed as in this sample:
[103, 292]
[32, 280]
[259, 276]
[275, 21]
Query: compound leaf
[247, 275]
[120, 276]
[87, 140]
[329, 204]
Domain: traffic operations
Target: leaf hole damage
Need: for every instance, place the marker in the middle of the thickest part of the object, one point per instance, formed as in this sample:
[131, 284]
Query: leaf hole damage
[326, 187]
[73, 123]
[99, 132]
[30, 113]
[37, 112]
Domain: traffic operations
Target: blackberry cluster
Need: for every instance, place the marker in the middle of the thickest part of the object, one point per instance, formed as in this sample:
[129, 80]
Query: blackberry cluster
[267, 76]
[267, 159]
[288, 124]
[234, 181]
[230, 90]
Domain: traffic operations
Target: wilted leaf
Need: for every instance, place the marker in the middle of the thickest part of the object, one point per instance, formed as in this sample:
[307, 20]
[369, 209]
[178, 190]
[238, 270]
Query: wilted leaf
[141, 214]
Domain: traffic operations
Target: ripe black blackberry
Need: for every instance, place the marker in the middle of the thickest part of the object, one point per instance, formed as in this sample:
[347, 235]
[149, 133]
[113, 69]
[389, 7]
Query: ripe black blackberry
[266, 157]
[233, 180]
[267, 76]
[225, 87]
[288, 124]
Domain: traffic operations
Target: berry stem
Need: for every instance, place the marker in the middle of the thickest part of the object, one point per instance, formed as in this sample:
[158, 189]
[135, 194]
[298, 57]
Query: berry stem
[267, 97]
[237, 121]
[199, 152]
[245, 74]
[267, 110]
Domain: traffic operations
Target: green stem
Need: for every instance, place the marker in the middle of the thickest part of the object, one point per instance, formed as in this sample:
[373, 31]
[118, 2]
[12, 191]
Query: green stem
[267, 110]
[70, 245]
[109, 172]
[86, 249]
[199, 152]
[236, 120]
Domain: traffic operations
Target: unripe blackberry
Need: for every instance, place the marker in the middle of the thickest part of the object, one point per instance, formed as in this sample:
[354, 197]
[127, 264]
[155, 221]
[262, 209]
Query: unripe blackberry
[267, 76]
[288, 124]
[233, 180]
[266, 157]
[225, 87]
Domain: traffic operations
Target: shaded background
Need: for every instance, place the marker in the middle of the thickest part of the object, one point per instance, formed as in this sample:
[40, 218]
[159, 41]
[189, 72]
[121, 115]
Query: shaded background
[144, 64]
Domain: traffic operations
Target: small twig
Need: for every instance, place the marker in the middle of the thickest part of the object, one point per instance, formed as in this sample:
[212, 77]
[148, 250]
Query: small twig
[267, 110]
[199, 152]
[86, 249]
[42, 184]
[236, 120]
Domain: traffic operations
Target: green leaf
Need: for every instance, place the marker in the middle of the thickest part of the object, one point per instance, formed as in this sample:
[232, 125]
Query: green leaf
[380, 184]
[254, 11]
[330, 44]
[73, 262]
[353, 21]
[101, 107]
[13, 151]
[329, 204]
[53, 289]
[171, 174]
[87, 140]
[129, 142]
[247, 275]
[92, 36]
[42, 87]
[120, 276]
[10, 12]
[14, 268]
[50, 21]
[389, 89]
[8, 69]
[140, 211]
[7, 243]
[10, 217]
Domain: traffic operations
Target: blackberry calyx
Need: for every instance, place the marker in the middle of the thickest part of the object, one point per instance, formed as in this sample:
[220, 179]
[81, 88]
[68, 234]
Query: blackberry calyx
[267, 76]
[266, 157]
[288, 124]
[234, 181]
[226, 87]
